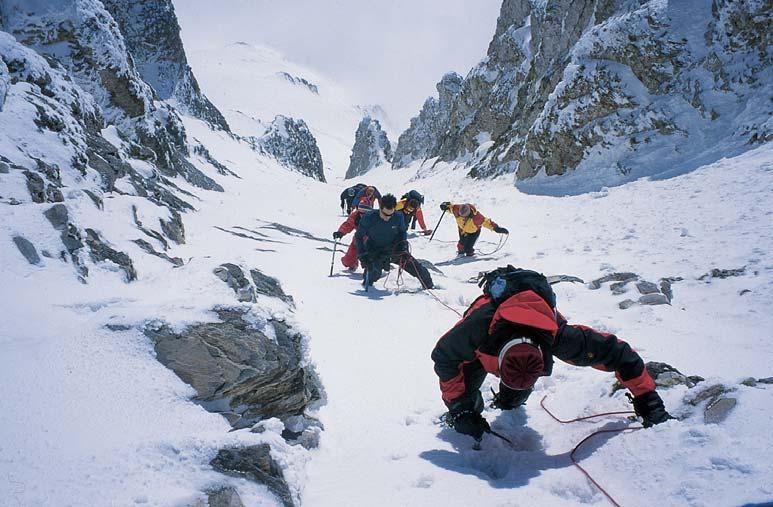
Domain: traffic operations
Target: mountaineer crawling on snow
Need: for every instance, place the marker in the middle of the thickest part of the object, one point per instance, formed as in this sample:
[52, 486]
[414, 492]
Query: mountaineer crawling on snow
[411, 209]
[348, 195]
[513, 331]
[415, 195]
[353, 220]
[381, 240]
[469, 221]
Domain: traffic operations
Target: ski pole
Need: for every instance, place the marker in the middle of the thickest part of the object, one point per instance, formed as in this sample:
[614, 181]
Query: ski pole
[438, 224]
[332, 262]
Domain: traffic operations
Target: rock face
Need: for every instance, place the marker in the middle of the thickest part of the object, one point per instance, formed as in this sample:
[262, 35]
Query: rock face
[371, 148]
[612, 90]
[427, 130]
[251, 370]
[292, 144]
[152, 36]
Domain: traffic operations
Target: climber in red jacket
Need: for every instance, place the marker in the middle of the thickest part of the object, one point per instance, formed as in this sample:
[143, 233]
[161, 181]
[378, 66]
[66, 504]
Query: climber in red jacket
[349, 260]
[513, 331]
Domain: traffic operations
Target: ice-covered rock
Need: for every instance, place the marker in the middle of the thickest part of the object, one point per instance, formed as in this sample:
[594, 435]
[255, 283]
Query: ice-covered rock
[255, 463]
[613, 90]
[426, 130]
[371, 148]
[293, 145]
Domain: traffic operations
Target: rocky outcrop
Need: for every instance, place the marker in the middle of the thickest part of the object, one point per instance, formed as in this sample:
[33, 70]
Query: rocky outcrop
[292, 144]
[152, 36]
[255, 463]
[427, 130]
[248, 369]
[371, 148]
[611, 90]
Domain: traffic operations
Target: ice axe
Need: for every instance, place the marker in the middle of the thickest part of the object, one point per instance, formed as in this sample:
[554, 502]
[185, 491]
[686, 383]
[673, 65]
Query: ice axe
[438, 224]
[332, 262]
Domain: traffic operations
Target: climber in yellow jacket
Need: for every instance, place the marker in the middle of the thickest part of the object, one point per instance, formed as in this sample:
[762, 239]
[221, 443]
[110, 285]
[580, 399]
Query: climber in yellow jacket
[469, 222]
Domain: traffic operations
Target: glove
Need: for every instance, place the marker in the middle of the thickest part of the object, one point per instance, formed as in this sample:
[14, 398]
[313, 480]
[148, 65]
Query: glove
[445, 206]
[337, 235]
[508, 399]
[469, 423]
[427, 232]
[649, 406]
[501, 230]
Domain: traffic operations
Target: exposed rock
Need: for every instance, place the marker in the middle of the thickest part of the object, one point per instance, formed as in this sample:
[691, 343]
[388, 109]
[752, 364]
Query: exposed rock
[711, 393]
[299, 81]
[597, 86]
[626, 304]
[97, 200]
[665, 286]
[100, 251]
[554, 279]
[618, 288]
[104, 158]
[234, 277]
[645, 287]
[766, 380]
[58, 216]
[152, 36]
[254, 463]
[666, 375]
[175, 261]
[173, 228]
[612, 277]
[717, 411]
[235, 367]
[224, 496]
[371, 148]
[654, 299]
[204, 153]
[424, 135]
[27, 249]
[723, 273]
[36, 186]
[269, 286]
[4, 168]
[292, 144]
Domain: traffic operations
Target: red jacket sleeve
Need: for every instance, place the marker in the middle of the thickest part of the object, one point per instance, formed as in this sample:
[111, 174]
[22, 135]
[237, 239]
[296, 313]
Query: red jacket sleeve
[349, 225]
[420, 218]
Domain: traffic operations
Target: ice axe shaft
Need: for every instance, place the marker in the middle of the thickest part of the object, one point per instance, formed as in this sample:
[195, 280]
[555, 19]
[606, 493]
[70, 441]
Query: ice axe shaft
[332, 261]
[438, 224]
[501, 436]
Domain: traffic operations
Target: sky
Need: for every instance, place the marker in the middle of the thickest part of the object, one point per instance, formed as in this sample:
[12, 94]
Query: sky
[390, 52]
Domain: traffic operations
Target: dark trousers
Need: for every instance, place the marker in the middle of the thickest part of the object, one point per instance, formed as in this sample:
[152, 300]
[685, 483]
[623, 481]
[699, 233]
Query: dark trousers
[466, 243]
[381, 261]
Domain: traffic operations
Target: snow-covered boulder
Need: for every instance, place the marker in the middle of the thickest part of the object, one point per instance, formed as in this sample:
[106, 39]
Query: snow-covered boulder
[609, 91]
[371, 148]
[293, 145]
[427, 129]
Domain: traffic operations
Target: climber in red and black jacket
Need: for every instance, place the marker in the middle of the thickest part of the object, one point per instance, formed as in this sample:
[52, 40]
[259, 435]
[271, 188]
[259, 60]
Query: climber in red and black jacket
[513, 331]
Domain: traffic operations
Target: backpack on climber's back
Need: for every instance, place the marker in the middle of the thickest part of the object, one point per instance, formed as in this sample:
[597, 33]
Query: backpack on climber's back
[502, 283]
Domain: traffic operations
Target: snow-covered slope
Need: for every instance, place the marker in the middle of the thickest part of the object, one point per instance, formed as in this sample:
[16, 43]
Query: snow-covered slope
[263, 84]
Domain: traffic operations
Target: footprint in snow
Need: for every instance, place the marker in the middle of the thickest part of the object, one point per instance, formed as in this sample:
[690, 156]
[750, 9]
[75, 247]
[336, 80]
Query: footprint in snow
[424, 482]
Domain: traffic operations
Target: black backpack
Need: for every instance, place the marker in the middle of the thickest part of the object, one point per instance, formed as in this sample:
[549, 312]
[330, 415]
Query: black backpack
[413, 194]
[502, 283]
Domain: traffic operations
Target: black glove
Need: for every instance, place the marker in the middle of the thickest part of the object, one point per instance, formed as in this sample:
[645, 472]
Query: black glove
[649, 406]
[470, 423]
[337, 235]
[508, 399]
[501, 230]
[445, 206]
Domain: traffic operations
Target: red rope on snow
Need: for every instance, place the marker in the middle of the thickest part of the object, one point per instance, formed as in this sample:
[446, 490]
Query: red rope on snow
[598, 432]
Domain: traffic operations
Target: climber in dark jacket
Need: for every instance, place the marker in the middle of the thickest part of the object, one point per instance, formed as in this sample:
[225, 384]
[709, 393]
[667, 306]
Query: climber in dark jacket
[514, 335]
[381, 240]
[418, 216]
[348, 195]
